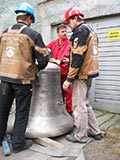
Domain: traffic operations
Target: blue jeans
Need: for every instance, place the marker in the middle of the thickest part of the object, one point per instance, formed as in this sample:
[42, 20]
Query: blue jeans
[22, 95]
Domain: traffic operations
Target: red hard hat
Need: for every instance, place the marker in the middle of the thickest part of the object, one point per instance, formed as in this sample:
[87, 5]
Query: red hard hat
[72, 12]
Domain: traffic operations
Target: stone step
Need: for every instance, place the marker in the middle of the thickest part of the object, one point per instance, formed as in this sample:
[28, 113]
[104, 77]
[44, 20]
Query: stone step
[110, 122]
[104, 118]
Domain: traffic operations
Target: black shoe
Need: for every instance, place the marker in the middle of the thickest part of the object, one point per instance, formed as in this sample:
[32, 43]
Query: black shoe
[96, 137]
[28, 144]
[71, 138]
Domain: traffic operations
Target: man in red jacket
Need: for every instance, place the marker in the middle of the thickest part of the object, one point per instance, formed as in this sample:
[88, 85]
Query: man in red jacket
[61, 52]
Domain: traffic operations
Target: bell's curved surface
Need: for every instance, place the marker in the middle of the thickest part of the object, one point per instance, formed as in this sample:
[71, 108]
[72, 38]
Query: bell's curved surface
[48, 116]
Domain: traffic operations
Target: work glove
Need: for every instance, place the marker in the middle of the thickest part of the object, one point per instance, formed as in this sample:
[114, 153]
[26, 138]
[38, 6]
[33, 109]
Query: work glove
[56, 61]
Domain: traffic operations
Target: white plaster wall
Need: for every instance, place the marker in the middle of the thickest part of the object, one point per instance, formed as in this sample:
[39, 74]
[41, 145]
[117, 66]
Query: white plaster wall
[53, 11]
[8, 16]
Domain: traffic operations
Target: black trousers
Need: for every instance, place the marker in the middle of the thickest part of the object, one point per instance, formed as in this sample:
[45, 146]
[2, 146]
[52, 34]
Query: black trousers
[22, 95]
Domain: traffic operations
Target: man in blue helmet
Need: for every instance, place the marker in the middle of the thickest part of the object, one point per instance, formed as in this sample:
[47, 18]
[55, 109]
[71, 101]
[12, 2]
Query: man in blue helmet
[18, 69]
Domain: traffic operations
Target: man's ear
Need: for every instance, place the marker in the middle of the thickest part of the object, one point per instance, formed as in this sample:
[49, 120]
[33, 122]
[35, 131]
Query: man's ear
[30, 18]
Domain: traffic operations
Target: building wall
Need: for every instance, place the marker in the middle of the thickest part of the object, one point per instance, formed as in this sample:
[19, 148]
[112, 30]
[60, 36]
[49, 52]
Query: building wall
[51, 12]
[8, 17]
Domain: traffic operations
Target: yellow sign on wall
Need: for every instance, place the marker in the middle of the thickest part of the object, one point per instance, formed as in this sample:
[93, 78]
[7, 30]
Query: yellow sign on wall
[113, 34]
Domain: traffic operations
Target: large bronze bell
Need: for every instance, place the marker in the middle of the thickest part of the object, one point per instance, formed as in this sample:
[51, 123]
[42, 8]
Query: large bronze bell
[48, 116]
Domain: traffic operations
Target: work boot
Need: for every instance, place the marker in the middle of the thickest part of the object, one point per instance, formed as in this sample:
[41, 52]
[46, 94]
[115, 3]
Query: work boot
[96, 137]
[71, 138]
[28, 144]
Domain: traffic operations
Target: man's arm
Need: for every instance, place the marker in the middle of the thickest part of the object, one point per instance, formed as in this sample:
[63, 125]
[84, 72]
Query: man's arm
[41, 53]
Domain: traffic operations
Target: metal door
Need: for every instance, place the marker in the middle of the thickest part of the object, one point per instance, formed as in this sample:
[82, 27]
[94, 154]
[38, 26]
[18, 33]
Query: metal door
[105, 91]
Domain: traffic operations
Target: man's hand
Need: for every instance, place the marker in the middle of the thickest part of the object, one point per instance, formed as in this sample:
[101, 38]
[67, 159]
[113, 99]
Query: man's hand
[66, 84]
[65, 59]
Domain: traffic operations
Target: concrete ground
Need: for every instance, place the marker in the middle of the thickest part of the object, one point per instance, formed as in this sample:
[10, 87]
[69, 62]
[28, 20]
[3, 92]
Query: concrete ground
[109, 147]
[106, 149]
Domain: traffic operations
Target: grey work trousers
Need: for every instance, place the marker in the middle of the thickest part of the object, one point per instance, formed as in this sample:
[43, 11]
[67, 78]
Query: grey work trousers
[84, 117]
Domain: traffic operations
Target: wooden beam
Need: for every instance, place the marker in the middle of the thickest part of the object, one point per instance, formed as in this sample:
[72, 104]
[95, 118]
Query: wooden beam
[47, 142]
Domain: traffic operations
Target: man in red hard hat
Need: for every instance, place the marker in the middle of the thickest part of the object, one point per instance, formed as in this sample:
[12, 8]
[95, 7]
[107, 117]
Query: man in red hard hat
[83, 67]
[72, 12]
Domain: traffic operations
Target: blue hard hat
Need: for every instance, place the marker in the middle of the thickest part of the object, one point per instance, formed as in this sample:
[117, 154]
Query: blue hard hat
[25, 8]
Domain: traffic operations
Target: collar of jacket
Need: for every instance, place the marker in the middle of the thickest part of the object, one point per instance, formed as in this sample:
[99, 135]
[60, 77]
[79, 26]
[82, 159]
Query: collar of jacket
[78, 26]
